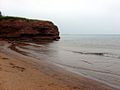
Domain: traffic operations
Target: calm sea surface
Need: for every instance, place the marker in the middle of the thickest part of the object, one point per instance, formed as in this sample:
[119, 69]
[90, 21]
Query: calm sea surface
[93, 56]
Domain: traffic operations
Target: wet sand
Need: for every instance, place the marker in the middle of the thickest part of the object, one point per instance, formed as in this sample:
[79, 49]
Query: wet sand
[20, 72]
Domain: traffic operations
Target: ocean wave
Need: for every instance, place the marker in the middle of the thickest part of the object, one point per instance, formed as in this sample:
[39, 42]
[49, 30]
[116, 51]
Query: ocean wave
[98, 54]
[88, 69]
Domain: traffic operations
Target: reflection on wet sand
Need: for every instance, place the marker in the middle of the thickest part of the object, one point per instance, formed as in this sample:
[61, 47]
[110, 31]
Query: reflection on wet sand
[36, 73]
[95, 65]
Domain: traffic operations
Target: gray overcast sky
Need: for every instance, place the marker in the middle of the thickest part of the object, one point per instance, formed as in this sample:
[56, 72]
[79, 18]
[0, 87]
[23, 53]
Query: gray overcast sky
[72, 16]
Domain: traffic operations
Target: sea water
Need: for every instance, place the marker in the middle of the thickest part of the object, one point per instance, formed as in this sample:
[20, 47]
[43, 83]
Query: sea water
[93, 56]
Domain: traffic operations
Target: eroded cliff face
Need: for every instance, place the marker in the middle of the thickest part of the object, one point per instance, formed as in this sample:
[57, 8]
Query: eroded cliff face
[27, 29]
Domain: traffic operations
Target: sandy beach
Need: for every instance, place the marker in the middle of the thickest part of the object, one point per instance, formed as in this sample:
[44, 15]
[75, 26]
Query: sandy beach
[20, 72]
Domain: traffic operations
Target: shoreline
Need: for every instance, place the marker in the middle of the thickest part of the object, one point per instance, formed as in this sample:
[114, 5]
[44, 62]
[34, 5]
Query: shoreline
[20, 72]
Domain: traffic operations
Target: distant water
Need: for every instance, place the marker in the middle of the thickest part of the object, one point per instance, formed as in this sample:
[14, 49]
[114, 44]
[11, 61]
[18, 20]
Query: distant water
[93, 56]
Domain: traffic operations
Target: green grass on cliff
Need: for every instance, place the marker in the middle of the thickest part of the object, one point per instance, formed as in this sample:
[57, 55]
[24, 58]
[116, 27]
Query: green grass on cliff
[10, 17]
[21, 18]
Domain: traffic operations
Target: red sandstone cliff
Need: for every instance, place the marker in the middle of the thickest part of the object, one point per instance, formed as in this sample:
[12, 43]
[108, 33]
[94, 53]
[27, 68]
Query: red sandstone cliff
[27, 29]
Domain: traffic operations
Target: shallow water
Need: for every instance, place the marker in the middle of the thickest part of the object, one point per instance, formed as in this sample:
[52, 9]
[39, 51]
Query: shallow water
[93, 56]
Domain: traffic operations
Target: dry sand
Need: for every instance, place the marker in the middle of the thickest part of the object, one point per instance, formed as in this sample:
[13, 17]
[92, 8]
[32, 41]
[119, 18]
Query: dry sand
[18, 72]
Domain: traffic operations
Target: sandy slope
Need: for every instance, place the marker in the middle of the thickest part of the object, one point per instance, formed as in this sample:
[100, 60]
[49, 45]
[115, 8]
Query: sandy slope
[18, 72]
